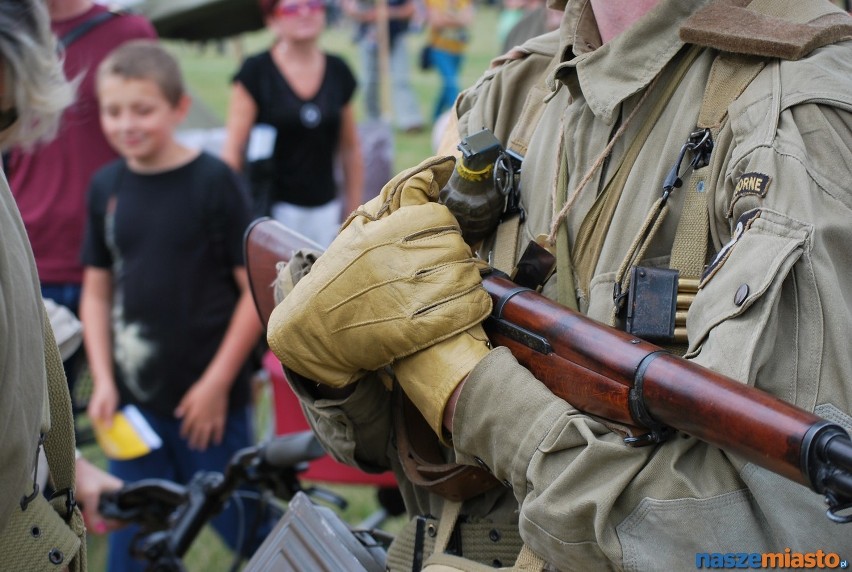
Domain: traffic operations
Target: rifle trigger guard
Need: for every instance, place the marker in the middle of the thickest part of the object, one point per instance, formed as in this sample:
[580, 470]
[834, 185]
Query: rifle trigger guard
[657, 432]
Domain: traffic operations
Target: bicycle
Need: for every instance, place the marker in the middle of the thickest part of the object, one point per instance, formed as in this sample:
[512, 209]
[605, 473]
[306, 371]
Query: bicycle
[171, 516]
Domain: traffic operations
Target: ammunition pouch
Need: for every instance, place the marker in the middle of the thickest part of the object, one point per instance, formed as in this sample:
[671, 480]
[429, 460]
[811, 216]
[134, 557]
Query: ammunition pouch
[38, 538]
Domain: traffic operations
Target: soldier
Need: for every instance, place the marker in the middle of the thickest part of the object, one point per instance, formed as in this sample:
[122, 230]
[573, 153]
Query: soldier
[712, 137]
[35, 408]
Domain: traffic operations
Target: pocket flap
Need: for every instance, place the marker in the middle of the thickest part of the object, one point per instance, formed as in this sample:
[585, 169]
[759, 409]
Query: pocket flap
[765, 246]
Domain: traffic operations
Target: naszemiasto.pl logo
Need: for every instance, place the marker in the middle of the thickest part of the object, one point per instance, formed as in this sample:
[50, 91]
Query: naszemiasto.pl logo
[787, 559]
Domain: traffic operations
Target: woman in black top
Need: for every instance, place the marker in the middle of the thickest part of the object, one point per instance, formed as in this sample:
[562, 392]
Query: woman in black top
[305, 96]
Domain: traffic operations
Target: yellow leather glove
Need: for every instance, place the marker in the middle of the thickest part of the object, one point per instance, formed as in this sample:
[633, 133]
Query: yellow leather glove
[397, 279]
[415, 186]
[430, 376]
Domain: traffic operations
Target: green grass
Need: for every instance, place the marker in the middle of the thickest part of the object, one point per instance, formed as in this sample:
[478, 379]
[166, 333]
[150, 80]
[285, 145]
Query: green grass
[208, 71]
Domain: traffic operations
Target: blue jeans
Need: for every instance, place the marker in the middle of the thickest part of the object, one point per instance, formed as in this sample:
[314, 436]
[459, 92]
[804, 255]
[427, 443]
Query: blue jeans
[448, 65]
[68, 295]
[175, 461]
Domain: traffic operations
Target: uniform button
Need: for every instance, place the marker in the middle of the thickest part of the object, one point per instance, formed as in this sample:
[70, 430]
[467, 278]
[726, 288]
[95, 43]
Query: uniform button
[56, 556]
[494, 535]
[741, 295]
[432, 530]
[35, 531]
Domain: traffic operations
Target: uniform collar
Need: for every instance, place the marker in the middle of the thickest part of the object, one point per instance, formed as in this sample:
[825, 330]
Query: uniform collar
[606, 75]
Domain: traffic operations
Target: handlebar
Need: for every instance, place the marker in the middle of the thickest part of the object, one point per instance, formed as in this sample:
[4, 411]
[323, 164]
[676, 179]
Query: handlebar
[171, 515]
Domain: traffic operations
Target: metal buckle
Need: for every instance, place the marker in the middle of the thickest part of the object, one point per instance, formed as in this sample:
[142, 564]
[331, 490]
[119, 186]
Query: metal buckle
[507, 180]
[70, 501]
[700, 143]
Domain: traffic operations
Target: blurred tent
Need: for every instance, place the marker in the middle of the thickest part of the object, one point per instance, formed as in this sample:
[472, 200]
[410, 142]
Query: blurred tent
[200, 20]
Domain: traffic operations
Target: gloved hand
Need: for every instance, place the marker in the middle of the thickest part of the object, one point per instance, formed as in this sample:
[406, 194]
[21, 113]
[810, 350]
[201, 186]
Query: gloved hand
[396, 280]
[430, 376]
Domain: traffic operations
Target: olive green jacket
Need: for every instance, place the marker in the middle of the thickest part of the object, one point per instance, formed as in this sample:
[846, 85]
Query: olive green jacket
[586, 500]
[33, 536]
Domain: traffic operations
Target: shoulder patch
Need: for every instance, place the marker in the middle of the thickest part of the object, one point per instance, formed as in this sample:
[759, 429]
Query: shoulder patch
[752, 184]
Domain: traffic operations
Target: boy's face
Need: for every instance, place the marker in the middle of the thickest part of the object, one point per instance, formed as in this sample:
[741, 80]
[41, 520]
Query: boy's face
[138, 120]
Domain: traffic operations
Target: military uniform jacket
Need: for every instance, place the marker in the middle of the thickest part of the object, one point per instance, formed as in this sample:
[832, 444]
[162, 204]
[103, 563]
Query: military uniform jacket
[31, 532]
[586, 500]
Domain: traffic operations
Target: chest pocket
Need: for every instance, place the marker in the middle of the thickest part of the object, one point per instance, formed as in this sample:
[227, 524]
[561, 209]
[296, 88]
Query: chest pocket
[736, 314]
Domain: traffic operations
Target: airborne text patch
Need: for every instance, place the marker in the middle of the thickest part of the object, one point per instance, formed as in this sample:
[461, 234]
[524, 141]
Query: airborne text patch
[752, 184]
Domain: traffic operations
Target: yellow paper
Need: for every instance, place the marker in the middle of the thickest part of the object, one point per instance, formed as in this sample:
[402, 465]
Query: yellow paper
[130, 436]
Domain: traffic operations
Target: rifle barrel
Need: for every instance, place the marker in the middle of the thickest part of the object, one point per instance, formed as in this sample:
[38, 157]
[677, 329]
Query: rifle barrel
[661, 388]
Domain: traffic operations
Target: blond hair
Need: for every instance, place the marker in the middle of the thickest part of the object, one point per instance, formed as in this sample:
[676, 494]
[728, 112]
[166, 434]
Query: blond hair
[147, 60]
[34, 82]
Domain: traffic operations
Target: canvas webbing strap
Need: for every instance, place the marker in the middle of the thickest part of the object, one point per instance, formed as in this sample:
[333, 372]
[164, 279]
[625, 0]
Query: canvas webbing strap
[506, 244]
[59, 446]
[529, 561]
[566, 288]
[692, 237]
[730, 75]
[506, 238]
[595, 226]
[447, 522]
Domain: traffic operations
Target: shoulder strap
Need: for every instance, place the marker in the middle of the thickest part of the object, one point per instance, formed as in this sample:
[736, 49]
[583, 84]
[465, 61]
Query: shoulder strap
[784, 29]
[506, 238]
[748, 33]
[85, 27]
[59, 445]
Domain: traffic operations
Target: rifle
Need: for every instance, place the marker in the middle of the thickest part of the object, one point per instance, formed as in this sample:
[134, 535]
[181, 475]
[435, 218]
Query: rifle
[613, 375]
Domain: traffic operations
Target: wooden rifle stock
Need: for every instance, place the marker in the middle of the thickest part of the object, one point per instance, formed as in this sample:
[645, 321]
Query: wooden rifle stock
[613, 375]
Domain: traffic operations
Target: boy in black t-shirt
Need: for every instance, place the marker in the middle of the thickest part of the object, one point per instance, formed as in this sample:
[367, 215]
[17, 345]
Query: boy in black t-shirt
[168, 315]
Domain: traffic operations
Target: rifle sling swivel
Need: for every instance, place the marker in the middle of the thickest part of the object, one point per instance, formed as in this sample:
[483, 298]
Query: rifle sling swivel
[657, 432]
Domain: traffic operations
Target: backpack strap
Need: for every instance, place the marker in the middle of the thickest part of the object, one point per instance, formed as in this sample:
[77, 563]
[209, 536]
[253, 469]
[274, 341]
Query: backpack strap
[86, 26]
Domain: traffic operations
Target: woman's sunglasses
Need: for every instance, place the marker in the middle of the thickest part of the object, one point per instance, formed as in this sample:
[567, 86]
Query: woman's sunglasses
[294, 9]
